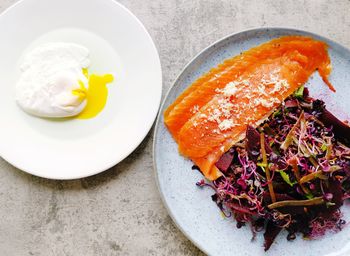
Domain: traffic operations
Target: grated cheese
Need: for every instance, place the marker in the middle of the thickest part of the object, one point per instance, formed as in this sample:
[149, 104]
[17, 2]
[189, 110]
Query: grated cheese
[215, 116]
[195, 109]
[230, 89]
[226, 124]
[225, 111]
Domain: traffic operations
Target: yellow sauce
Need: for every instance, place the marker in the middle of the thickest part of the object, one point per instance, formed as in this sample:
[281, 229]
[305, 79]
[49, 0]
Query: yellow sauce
[96, 94]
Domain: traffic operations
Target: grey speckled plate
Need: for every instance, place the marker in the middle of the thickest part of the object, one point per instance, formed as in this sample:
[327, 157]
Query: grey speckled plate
[191, 207]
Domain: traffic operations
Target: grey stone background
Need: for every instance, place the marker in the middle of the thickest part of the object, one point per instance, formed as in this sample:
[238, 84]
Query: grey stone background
[119, 212]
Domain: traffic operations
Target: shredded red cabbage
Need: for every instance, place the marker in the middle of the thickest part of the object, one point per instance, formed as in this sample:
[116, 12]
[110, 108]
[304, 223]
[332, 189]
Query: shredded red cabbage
[306, 154]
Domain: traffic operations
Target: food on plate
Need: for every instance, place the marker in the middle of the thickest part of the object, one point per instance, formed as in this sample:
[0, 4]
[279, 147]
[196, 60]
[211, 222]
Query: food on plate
[54, 82]
[212, 114]
[275, 157]
[291, 172]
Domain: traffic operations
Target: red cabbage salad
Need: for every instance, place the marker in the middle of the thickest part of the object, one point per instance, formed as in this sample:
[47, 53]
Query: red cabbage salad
[292, 172]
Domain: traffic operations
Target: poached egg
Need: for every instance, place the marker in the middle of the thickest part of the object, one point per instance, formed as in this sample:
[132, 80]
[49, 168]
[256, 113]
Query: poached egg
[54, 83]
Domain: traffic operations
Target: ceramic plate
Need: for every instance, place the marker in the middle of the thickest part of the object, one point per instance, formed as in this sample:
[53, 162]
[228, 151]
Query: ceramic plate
[119, 44]
[192, 208]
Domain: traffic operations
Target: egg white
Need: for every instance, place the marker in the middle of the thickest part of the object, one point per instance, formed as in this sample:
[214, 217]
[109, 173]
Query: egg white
[49, 74]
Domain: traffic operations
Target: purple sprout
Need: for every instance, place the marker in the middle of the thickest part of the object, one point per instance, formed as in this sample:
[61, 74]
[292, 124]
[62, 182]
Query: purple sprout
[312, 169]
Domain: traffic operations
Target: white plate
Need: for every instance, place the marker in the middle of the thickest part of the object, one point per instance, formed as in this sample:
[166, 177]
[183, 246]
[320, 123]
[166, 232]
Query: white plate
[192, 208]
[119, 44]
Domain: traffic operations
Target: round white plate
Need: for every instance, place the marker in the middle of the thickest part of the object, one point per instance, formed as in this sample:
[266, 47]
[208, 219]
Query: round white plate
[119, 44]
[192, 208]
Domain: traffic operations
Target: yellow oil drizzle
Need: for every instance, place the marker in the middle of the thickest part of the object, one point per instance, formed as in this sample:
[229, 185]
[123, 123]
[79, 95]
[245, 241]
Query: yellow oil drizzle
[96, 94]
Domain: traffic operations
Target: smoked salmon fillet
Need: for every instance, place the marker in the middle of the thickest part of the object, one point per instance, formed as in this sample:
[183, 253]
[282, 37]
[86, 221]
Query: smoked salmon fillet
[213, 113]
[203, 89]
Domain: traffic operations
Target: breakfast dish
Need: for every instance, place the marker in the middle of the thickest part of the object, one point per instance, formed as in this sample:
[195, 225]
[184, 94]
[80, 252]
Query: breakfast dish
[62, 116]
[275, 157]
[55, 82]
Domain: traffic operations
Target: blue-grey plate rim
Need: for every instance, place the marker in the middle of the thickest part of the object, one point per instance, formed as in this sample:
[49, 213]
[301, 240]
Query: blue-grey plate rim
[288, 30]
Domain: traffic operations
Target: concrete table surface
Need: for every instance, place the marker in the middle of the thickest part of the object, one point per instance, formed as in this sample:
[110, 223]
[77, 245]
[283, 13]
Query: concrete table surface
[119, 212]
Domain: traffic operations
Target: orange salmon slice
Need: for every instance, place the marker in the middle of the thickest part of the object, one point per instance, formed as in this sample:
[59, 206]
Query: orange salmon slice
[213, 113]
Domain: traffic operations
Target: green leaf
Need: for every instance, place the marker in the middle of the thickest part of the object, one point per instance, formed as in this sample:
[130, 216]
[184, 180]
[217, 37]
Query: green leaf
[300, 92]
[329, 204]
[276, 113]
[324, 147]
[286, 178]
[309, 196]
[261, 164]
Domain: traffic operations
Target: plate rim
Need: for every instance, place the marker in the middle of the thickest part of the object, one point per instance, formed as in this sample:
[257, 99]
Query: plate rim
[112, 163]
[173, 85]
